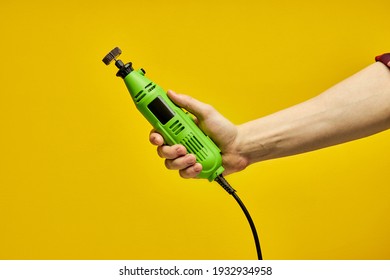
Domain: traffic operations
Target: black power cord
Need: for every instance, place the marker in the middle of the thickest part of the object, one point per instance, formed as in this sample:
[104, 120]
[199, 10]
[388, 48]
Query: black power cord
[224, 184]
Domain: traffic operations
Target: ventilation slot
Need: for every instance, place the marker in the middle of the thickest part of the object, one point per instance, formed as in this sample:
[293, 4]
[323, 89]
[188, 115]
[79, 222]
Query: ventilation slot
[150, 87]
[177, 127]
[138, 97]
[194, 147]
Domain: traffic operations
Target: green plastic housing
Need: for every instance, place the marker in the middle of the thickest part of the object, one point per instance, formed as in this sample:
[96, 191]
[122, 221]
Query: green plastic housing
[175, 125]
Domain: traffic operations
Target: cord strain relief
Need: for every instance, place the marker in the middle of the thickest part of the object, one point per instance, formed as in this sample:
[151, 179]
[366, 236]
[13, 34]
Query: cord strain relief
[224, 184]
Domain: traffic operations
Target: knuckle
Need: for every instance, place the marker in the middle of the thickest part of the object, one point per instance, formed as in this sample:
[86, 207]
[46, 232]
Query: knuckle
[208, 109]
[167, 152]
[190, 172]
[160, 152]
[183, 174]
[169, 164]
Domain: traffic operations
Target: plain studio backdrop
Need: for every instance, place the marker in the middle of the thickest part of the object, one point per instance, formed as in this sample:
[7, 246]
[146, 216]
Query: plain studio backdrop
[79, 179]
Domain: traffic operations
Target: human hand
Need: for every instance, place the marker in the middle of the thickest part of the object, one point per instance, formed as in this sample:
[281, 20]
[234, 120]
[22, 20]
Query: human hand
[216, 126]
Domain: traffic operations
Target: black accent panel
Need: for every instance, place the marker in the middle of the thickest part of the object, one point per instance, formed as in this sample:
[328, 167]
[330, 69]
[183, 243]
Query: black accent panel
[161, 110]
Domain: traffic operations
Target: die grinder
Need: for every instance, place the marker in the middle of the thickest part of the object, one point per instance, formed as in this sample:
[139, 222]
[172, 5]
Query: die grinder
[176, 126]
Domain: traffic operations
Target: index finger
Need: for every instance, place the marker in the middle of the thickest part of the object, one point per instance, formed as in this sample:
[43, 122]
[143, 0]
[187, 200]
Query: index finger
[156, 138]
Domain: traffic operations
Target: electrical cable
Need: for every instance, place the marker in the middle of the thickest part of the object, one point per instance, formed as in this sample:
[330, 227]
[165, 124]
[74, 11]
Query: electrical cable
[224, 184]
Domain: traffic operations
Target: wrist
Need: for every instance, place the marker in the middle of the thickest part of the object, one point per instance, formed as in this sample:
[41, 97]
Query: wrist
[232, 158]
[249, 146]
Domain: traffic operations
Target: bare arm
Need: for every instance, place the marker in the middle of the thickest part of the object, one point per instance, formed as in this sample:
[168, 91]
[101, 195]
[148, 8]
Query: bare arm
[354, 108]
[357, 107]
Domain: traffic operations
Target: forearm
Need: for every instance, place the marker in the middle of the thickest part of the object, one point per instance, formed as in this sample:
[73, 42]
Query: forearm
[356, 107]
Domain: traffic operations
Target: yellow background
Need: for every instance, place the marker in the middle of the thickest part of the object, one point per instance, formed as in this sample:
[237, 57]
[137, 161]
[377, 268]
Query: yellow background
[79, 179]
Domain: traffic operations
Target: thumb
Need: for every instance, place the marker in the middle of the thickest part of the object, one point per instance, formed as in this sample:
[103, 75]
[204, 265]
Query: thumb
[195, 107]
[211, 122]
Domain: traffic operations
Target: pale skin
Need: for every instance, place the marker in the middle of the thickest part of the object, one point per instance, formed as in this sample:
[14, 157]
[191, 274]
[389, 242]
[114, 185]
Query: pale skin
[357, 107]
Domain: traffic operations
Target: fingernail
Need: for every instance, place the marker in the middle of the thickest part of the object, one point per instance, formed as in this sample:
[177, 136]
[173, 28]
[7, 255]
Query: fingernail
[198, 167]
[190, 159]
[180, 151]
